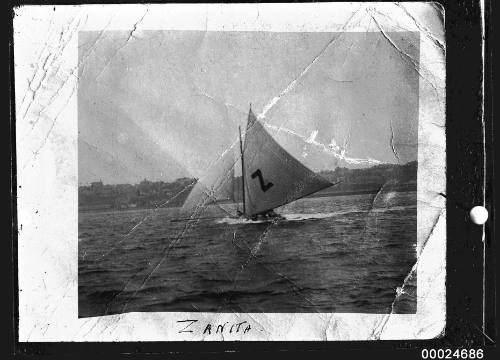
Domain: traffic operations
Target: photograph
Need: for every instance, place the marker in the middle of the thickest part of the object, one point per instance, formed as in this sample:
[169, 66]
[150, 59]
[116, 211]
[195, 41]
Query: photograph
[194, 194]
[231, 172]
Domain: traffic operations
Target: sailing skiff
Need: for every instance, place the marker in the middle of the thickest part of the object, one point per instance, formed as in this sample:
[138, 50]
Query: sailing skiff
[271, 177]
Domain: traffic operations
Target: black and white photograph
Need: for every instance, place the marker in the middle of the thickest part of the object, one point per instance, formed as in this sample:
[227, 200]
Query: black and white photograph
[232, 171]
[191, 199]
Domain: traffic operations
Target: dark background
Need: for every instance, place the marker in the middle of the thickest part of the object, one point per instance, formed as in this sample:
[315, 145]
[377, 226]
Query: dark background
[464, 141]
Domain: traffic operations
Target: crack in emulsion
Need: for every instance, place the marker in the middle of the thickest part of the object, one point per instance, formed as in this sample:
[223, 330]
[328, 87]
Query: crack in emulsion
[292, 84]
[36, 72]
[257, 247]
[423, 28]
[416, 65]
[253, 251]
[49, 132]
[381, 325]
[328, 149]
[424, 244]
[53, 96]
[94, 45]
[219, 102]
[46, 323]
[370, 211]
[39, 56]
[379, 328]
[131, 35]
[54, 57]
[392, 142]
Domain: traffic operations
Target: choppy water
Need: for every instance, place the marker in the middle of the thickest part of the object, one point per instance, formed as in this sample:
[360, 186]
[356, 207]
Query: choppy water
[332, 254]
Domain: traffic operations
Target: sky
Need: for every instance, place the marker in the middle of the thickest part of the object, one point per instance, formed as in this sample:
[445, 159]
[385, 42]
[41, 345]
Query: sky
[160, 105]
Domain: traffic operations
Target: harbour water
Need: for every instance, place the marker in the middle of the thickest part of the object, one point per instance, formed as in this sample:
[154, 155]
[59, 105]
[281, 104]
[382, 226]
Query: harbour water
[347, 253]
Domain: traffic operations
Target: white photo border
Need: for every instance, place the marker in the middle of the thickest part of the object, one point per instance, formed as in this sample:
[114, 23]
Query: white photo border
[46, 74]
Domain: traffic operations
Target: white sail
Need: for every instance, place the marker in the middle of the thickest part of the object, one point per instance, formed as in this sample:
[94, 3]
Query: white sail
[215, 185]
[273, 177]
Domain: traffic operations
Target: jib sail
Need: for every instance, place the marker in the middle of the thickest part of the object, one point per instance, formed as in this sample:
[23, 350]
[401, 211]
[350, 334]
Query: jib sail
[215, 185]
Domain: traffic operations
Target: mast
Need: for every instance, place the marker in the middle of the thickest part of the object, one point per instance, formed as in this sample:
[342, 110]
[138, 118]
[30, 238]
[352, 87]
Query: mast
[242, 171]
[275, 177]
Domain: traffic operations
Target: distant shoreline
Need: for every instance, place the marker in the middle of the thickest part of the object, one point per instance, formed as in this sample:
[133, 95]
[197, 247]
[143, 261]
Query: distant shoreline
[150, 195]
[406, 187]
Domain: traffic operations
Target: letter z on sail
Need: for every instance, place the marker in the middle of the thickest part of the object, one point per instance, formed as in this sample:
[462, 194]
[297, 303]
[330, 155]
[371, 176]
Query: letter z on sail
[263, 186]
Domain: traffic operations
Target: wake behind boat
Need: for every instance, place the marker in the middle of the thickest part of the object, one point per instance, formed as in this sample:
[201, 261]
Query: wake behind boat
[280, 217]
[271, 177]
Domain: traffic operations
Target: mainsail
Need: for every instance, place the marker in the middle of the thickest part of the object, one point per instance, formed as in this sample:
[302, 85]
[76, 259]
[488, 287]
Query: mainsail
[272, 176]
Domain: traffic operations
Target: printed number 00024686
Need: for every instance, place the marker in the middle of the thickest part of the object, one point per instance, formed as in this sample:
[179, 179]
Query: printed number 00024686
[450, 354]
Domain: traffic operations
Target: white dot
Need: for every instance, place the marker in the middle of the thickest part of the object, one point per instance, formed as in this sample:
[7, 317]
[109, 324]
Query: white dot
[479, 215]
